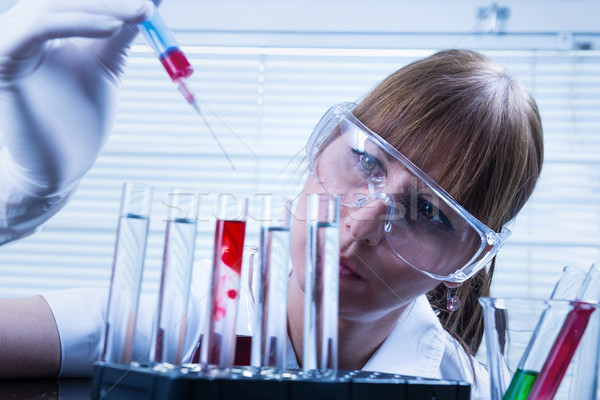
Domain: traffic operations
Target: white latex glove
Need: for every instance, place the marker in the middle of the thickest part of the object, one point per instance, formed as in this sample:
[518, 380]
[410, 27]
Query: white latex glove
[60, 63]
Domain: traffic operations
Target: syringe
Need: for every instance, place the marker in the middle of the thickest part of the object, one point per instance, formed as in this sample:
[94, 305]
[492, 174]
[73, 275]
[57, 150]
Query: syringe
[164, 45]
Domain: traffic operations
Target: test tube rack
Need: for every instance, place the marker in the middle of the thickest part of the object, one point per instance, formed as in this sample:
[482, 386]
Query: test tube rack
[136, 382]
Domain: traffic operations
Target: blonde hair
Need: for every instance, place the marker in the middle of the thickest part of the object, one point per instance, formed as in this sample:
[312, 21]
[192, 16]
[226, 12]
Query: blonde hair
[461, 118]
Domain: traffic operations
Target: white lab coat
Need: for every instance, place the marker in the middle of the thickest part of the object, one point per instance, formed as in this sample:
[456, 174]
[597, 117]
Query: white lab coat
[417, 346]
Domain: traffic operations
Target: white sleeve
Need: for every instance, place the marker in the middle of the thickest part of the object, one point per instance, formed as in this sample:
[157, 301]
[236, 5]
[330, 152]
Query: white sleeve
[21, 213]
[79, 316]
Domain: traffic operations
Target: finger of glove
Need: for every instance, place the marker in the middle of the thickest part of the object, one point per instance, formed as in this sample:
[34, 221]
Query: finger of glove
[22, 54]
[128, 11]
[80, 24]
[25, 28]
[113, 51]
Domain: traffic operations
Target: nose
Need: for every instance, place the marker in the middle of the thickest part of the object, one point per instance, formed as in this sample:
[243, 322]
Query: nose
[366, 223]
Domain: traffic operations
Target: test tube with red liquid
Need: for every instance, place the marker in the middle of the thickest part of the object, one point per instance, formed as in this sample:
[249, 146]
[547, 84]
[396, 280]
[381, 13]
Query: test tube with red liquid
[128, 264]
[243, 342]
[270, 333]
[567, 288]
[219, 341]
[178, 258]
[321, 291]
[562, 351]
[548, 380]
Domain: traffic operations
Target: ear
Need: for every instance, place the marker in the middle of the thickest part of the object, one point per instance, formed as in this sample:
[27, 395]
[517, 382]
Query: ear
[451, 285]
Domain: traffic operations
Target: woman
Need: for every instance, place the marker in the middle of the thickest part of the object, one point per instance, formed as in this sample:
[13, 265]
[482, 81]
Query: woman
[455, 118]
[468, 126]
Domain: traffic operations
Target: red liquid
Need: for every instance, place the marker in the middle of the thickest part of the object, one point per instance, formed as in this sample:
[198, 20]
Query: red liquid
[176, 64]
[159, 345]
[227, 258]
[229, 243]
[242, 350]
[563, 349]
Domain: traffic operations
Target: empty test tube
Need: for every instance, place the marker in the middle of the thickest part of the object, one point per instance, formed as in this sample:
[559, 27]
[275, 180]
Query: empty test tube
[126, 278]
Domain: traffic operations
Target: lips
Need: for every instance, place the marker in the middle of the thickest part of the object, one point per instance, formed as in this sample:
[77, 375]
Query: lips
[348, 270]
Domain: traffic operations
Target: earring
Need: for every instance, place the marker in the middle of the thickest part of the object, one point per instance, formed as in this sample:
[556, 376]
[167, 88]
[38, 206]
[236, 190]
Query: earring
[452, 301]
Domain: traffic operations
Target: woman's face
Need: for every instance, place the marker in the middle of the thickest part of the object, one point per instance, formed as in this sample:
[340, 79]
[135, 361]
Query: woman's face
[374, 281]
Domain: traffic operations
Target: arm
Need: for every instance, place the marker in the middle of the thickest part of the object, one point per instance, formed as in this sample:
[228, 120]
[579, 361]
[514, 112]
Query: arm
[60, 68]
[29, 340]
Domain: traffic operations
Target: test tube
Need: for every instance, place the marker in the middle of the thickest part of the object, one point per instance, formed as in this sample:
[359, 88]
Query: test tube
[588, 362]
[563, 349]
[245, 324]
[567, 288]
[320, 330]
[243, 342]
[270, 334]
[178, 258]
[128, 265]
[218, 348]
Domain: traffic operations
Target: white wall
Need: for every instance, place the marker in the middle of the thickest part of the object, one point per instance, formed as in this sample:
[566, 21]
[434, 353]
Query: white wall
[378, 16]
[382, 16]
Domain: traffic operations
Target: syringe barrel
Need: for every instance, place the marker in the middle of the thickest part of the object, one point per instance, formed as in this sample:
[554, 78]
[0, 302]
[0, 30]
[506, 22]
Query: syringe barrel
[164, 45]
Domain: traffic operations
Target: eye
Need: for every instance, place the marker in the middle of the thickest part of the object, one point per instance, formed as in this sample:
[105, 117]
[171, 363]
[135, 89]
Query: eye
[369, 163]
[434, 214]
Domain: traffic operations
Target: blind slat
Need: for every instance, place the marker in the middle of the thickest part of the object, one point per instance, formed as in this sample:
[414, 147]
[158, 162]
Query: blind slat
[266, 105]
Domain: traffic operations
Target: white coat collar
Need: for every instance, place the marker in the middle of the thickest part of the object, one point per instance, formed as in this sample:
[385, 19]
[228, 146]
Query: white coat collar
[414, 347]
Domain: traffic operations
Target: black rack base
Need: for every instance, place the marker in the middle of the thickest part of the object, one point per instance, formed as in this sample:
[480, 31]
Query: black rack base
[120, 382]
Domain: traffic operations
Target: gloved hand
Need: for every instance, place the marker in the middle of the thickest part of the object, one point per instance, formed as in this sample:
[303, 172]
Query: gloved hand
[60, 63]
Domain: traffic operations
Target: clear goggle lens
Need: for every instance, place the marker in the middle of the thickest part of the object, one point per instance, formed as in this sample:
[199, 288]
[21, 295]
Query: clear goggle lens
[421, 224]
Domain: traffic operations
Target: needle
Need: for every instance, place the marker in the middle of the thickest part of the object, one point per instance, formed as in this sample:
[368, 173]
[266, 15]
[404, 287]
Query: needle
[191, 99]
[162, 42]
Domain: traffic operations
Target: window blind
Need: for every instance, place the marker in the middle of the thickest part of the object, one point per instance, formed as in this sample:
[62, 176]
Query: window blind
[263, 103]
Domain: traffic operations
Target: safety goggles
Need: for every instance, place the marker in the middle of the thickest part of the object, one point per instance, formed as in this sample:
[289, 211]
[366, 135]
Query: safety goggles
[422, 223]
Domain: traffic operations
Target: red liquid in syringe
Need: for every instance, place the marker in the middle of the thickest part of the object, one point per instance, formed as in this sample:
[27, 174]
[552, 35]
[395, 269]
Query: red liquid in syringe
[176, 64]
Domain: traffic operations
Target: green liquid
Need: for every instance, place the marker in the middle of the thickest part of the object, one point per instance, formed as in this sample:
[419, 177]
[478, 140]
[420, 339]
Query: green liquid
[520, 385]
